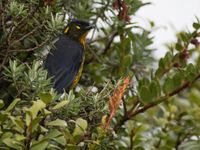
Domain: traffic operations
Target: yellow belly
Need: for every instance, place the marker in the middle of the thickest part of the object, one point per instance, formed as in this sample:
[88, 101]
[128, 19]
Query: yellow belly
[78, 75]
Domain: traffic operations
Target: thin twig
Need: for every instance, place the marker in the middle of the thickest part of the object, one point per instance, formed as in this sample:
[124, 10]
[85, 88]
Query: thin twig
[19, 24]
[94, 54]
[27, 17]
[3, 24]
[111, 38]
[30, 49]
[131, 138]
[96, 40]
[26, 35]
[4, 60]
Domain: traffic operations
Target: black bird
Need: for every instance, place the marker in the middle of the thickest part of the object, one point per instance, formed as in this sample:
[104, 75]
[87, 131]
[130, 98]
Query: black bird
[65, 60]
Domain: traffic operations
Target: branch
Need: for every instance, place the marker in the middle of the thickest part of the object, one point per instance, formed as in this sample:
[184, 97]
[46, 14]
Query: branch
[96, 40]
[26, 35]
[23, 21]
[155, 103]
[164, 98]
[29, 49]
[4, 60]
[94, 54]
[111, 38]
[178, 141]
[107, 47]
[131, 139]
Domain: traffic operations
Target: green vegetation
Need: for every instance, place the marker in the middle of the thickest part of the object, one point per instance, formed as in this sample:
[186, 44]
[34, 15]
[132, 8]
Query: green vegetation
[123, 100]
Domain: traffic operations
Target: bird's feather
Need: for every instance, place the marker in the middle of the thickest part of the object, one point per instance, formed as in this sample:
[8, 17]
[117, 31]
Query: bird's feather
[63, 62]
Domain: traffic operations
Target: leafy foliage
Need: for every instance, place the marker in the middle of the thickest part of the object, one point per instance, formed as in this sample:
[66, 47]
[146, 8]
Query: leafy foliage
[156, 108]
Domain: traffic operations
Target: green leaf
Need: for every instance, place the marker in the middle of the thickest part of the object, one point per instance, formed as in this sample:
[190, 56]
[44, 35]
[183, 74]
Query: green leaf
[184, 36]
[54, 147]
[42, 145]
[32, 112]
[72, 147]
[168, 59]
[61, 104]
[196, 26]
[127, 61]
[190, 72]
[168, 86]
[61, 140]
[145, 94]
[178, 78]
[162, 63]
[35, 123]
[159, 72]
[36, 107]
[71, 95]
[139, 148]
[18, 122]
[57, 122]
[81, 126]
[20, 137]
[179, 47]
[46, 97]
[46, 112]
[53, 133]
[12, 143]
[166, 147]
[143, 82]
[190, 145]
[68, 134]
[12, 105]
[1, 103]
[194, 96]
[191, 68]
[155, 89]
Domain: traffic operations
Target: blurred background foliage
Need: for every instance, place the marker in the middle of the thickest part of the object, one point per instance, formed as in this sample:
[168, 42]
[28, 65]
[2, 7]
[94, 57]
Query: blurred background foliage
[158, 109]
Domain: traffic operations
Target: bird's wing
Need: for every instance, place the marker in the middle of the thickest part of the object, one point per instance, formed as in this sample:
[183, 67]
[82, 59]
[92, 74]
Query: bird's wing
[63, 62]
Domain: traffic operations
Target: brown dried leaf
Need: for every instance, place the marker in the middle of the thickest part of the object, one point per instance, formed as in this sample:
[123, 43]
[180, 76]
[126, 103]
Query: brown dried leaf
[116, 99]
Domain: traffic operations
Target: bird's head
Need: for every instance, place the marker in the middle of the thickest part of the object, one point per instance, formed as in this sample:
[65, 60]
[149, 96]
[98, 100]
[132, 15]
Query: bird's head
[77, 30]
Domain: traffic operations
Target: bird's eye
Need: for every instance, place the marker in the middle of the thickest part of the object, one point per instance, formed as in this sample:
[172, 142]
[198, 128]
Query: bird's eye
[78, 27]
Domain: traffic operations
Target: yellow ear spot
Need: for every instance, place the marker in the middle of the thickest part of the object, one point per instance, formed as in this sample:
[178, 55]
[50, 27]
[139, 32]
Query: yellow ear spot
[66, 30]
[78, 27]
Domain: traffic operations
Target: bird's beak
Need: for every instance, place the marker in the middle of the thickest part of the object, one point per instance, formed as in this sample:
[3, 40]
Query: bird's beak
[89, 27]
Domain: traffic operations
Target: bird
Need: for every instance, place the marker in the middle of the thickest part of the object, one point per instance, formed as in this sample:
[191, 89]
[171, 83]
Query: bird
[65, 60]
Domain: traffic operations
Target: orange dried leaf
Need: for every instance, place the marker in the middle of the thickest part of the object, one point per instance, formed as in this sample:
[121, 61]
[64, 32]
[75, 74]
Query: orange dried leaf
[116, 99]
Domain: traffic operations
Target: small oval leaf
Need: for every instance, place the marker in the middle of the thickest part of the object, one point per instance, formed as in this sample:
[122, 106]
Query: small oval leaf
[57, 122]
[46, 97]
[81, 126]
[61, 104]
[145, 94]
